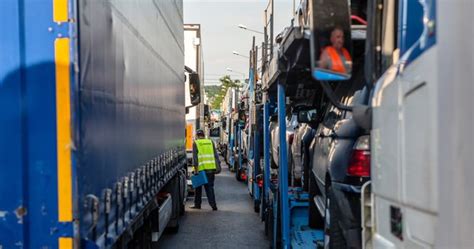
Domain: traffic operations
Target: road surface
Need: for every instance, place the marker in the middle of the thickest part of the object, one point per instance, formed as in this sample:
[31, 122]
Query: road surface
[234, 225]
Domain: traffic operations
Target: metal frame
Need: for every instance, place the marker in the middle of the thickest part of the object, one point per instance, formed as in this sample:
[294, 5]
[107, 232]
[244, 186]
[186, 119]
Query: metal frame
[283, 168]
[256, 158]
[266, 154]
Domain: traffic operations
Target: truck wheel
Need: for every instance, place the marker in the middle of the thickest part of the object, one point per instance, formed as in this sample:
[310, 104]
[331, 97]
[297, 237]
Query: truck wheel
[183, 194]
[256, 206]
[182, 209]
[315, 219]
[268, 219]
[224, 155]
[263, 208]
[176, 200]
[237, 173]
[173, 229]
[333, 237]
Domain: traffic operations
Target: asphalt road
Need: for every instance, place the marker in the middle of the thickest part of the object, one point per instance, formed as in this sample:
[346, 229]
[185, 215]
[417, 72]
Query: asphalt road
[234, 225]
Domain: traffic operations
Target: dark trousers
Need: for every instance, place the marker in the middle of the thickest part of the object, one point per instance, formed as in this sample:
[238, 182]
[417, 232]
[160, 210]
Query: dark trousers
[209, 187]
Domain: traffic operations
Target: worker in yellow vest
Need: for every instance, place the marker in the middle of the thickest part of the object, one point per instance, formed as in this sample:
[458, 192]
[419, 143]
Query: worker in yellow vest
[205, 158]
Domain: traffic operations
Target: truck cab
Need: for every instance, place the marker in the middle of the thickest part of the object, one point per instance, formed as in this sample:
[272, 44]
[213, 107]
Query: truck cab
[404, 124]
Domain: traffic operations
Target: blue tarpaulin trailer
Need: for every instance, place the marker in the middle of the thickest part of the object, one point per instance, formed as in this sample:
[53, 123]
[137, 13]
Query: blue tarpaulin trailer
[91, 122]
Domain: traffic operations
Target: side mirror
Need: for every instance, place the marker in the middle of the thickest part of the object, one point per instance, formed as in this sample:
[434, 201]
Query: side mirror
[307, 116]
[194, 88]
[331, 44]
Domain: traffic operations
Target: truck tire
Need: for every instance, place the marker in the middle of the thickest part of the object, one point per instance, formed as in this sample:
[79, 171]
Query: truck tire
[224, 155]
[182, 209]
[256, 206]
[183, 192]
[315, 219]
[237, 172]
[173, 229]
[237, 175]
[267, 220]
[333, 236]
[174, 189]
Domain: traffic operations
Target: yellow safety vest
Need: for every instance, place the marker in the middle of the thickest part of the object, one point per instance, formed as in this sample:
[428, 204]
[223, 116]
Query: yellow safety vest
[206, 158]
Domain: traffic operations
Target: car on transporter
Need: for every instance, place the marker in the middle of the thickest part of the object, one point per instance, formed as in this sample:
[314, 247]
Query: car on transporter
[299, 160]
[291, 124]
[340, 161]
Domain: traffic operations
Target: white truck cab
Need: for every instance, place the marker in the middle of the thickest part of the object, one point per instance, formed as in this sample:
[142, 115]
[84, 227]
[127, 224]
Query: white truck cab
[422, 129]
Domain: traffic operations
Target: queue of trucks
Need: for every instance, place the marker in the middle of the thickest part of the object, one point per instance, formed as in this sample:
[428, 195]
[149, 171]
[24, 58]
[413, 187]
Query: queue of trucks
[92, 148]
[373, 154]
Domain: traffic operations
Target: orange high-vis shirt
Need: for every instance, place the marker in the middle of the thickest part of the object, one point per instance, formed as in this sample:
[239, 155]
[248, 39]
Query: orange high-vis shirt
[336, 62]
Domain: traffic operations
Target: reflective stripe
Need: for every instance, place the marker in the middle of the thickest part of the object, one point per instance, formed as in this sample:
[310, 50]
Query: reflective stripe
[65, 243]
[206, 162]
[205, 156]
[60, 10]
[64, 131]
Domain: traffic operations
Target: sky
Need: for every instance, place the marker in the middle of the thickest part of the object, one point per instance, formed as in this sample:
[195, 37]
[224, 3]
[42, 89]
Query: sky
[220, 35]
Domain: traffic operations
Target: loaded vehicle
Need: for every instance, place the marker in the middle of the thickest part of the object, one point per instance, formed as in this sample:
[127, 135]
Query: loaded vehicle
[229, 114]
[235, 106]
[251, 172]
[239, 156]
[341, 149]
[86, 157]
[411, 200]
[287, 84]
[300, 147]
[340, 166]
[291, 124]
[338, 141]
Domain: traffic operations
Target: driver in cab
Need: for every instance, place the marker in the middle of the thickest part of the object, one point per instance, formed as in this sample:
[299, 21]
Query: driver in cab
[335, 57]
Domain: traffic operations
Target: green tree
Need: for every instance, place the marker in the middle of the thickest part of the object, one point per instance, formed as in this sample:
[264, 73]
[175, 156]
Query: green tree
[216, 94]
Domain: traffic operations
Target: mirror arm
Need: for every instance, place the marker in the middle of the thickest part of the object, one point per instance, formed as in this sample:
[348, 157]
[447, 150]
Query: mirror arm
[330, 94]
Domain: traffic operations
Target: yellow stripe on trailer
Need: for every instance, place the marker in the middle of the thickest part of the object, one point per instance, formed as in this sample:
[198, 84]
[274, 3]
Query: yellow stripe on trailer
[65, 243]
[60, 10]
[63, 123]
